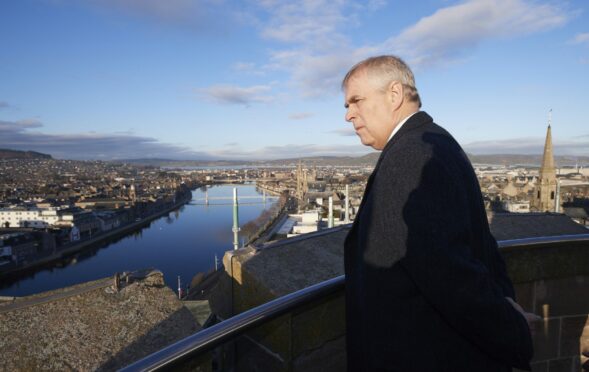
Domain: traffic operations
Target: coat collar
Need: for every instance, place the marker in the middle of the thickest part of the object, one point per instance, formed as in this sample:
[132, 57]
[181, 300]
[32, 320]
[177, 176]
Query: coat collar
[416, 121]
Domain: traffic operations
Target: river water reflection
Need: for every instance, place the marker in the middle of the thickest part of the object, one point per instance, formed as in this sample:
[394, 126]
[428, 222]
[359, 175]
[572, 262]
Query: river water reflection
[183, 243]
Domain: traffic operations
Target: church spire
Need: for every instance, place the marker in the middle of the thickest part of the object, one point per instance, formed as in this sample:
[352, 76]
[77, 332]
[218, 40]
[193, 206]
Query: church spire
[546, 186]
[547, 170]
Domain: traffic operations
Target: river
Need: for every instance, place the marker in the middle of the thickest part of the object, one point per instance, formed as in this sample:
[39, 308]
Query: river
[182, 243]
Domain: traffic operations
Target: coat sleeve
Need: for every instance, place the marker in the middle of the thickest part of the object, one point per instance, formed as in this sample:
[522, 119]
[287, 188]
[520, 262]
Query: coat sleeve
[426, 208]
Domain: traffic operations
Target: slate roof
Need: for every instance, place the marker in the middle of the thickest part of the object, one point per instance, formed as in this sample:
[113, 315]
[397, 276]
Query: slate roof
[506, 226]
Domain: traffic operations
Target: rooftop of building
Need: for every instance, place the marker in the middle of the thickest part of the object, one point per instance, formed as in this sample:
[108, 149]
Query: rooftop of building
[507, 226]
[92, 326]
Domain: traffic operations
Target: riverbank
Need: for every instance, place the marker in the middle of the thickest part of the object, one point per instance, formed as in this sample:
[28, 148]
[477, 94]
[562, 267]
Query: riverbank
[92, 242]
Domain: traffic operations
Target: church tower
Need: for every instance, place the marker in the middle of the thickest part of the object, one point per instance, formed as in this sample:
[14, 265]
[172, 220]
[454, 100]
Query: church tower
[545, 193]
[132, 194]
[302, 185]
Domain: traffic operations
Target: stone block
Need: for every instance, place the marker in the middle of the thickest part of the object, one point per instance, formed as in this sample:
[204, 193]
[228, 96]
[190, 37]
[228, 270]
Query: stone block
[584, 339]
[524, 293]
[313, 325]
[570, 335]
[275, 337]
[546, 262]
[565, 296]
[251, 356]
[561, 365]
[546, 338]
[537, 367]
[330, 357]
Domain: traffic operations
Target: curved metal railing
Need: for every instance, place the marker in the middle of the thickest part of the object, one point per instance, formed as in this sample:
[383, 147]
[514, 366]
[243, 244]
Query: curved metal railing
[209, 338]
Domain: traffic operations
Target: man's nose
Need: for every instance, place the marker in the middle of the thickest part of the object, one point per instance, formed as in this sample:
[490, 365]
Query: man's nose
[349, 115]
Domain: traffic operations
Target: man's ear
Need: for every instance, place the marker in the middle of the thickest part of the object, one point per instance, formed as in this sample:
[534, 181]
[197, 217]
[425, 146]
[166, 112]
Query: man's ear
[396, 93]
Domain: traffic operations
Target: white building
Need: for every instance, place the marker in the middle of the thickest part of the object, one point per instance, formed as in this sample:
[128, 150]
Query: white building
[31, 217]
[516, 206]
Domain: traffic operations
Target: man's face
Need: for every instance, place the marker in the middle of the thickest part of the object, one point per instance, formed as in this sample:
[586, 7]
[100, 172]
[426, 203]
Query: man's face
[369, 109]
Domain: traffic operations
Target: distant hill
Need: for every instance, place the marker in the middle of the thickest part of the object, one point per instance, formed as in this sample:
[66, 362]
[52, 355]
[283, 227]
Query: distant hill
[530, 160]
[367, 160]
[16, 154]
[364, 160]
[182, 163]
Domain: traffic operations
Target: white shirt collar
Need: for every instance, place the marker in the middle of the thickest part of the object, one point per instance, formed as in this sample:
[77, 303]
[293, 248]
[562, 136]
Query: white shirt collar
[400, 125]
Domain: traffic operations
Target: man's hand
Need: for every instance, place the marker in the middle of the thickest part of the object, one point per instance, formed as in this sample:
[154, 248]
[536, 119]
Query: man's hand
[530, 317]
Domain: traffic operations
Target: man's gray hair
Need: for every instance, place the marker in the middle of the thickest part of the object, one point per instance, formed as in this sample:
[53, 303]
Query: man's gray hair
[386, 69]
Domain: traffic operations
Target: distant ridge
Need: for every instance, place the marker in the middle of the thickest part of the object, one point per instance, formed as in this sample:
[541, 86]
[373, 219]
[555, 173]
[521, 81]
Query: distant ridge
[16, 154]
[368, 160]
[530, 160]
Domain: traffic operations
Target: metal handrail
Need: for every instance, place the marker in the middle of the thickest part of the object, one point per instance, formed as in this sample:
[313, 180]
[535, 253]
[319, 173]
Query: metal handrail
[544, 240]
[211, 337]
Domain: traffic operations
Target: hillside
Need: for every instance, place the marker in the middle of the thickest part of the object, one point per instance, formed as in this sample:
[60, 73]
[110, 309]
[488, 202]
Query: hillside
[16, 154]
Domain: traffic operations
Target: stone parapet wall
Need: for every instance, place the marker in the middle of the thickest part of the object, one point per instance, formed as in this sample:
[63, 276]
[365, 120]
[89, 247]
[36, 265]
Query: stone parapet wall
[551, 280]
[309, 339]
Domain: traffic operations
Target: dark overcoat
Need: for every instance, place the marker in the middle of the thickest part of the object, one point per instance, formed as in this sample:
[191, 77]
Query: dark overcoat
[425, 282]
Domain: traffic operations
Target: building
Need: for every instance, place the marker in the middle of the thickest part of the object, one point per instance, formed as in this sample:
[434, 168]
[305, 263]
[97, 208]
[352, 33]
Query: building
[29, 217]
[545, 194]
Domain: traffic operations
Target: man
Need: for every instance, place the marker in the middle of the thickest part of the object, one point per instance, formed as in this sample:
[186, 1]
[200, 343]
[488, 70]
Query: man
[426, 288]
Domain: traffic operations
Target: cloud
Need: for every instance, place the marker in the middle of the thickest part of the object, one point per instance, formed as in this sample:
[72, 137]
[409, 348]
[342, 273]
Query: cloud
[453, 31]
[314, 75]
[302, 21]
[320, 54]
[231, 94]
[169, 10]
[18, 126]
[345, 132]
[208, 17]
[293, 151]
[244, 66]
[582, 38]
[530, 145]
[4, 105]
[18, 136]
[300, 115]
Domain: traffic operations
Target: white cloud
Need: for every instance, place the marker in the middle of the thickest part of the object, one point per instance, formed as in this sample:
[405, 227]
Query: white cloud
[90, 145]
[293, 151]
[300, 115]
[582, 38]
[455, 30]
[19, 125]
[345, 132]
[231, 94]
[321, 54]
[243, 66]
[304, 21]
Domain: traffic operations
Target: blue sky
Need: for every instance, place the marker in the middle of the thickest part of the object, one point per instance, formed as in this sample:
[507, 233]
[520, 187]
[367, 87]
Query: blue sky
[215, 79]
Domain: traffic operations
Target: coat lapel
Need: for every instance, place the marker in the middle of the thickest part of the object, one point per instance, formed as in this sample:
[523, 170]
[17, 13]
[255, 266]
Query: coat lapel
[417, 120]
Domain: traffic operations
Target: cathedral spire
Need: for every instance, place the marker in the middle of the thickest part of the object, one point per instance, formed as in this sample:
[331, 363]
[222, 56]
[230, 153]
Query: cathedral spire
[546, 187]
[547, 170]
